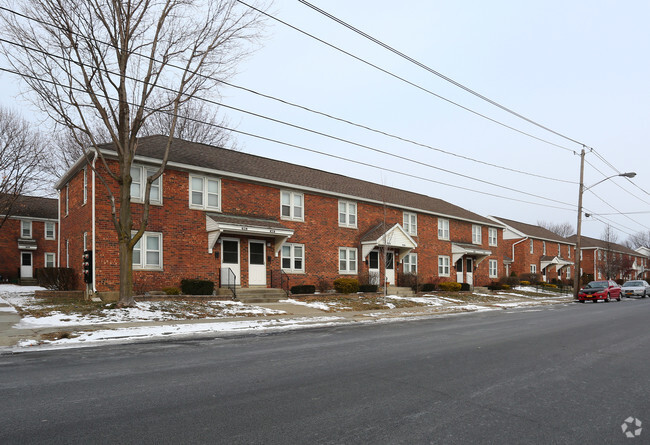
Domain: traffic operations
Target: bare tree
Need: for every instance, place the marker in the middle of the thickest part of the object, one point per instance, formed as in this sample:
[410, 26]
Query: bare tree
[20, 158]
[609, 261]
[114, 64]
[564, 229]
[637, 240]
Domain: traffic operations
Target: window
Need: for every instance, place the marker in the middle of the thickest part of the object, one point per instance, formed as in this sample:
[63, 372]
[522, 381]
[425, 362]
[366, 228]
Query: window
[85, 184]
[532, 248]
[568, 271]
[293, 258]
[49, 231]
[67, 198]
[85, 240]
[543, 247]
[292, 206]
[569, 251]
[347, 260]
[347, 214]
[493, 268]
[492, 236]
[443, 266]
[26, 229]
[581, 255]
[50, 260]
[533, 268]
[559, 250]
[410, 263]
[147, 252]
[205, 193]
[476, 235]
[443, 228]
[600, 254]
[411, 223]
[139, 184]
[67, 253]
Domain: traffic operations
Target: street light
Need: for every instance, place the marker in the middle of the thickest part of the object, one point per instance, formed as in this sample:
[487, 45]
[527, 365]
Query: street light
[581, 190]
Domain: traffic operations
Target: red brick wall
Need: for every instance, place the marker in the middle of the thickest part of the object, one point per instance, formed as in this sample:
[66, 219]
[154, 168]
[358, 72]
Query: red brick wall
[10, 255]
[523, 258]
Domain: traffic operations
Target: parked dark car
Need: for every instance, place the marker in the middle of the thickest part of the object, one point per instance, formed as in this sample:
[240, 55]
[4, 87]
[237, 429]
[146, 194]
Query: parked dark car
[600, 290]
[638, 288]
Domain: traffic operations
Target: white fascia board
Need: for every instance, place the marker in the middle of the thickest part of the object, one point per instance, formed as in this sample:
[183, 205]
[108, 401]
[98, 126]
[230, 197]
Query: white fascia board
[287, 185]
[32, 218]
[72, 171]
[520, 234]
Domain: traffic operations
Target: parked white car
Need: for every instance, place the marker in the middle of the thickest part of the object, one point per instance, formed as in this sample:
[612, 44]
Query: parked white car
[636, 288]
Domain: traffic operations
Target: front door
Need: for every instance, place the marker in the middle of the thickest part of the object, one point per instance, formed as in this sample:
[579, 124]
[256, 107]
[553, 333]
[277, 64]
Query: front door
[469, 272]
[390, 268]
[373, 267]
[459, 271]
[26, 268]
[230, 270]
[256, 263]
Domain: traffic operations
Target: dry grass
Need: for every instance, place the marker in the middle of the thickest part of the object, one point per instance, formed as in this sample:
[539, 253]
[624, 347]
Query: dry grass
[43, 307]
[355, 302]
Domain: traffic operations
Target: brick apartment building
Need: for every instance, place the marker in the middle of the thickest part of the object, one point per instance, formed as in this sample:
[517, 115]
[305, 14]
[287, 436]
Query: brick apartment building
[228, 216]
[605, 260]
[28, 239]
[534, 249]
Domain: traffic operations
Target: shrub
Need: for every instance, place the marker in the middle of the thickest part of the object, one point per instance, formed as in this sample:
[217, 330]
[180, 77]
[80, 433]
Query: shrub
[303, 289]
[428, 287]
[172, 291]
[56, 278]
[532, 278]
[346, 285]
[368, 288]
[449, 286]
[323, 284]
[512, 280]
[525, 283]
[465, 287]
[549, 285]
[197, 287]
[498, 285]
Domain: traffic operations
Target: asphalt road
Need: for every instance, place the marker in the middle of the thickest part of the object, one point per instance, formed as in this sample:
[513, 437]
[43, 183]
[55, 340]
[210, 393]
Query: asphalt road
[563, 374]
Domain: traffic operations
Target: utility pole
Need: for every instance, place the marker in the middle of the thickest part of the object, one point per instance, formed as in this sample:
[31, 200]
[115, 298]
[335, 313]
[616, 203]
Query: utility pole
[576, 271]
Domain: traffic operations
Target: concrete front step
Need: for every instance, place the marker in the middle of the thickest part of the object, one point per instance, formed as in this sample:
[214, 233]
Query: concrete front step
[28, 282]
[400, 291]
[255, 294]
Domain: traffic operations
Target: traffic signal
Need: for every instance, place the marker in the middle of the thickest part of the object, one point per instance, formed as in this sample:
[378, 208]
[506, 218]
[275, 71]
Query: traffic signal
[88, 266]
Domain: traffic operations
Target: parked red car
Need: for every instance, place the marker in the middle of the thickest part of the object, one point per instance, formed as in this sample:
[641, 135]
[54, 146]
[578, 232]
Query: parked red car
[600, 290]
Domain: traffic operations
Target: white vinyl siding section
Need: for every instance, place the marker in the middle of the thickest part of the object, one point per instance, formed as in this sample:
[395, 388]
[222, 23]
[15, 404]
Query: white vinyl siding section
[411, 223]
[292, 206]
[347, 214]
[443, 229]
[205, 193]
[147, 253]
[347, 260]
[443, 266]
[293, 258]
[139, 175]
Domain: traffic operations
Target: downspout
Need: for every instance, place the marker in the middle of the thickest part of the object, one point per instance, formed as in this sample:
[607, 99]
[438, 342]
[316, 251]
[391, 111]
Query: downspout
[93, 226]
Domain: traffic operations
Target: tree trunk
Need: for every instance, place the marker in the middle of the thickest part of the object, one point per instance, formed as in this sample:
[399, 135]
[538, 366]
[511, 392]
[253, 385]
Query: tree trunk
[124, 234]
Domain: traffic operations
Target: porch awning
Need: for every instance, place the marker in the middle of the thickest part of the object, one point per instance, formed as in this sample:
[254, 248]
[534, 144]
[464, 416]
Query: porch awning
[548, 261]
[217, 224]
[394, 237]
[459, 250]
[27, 244]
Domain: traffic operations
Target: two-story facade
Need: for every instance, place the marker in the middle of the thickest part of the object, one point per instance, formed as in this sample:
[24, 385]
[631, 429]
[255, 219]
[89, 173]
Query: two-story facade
[607, 260]
[534, 249]
[28, 238]
[232, 217]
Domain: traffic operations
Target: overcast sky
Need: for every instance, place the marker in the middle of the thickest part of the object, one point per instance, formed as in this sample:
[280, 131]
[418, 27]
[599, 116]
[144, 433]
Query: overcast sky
[580, 68]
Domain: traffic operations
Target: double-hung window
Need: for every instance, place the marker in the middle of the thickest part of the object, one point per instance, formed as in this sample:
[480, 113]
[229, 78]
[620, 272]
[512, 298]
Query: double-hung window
[49, 231]
[493, 268]
[26, 229]
[85, 193]
[347, 260]
[205, 193]
[347, 214]
[411, 223]
[443, 266]
[443, 229]
[543, 247]
[50, 260]
[292, 205]
[492, 236]
[293, 258]
[410, 263]
[139, 175]
[477, 237]
[533, 268]
[532, 248]
[147, 252]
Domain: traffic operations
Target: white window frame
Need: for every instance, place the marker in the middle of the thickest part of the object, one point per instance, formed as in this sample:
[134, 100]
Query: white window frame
[67, 199]
[292, 205]
[293, 257]
[204, 192]
[443, 229]
[141, 245]
[345, 257]
[568, 273]
[444, 268]
[410, 221]
[410, 263]
[144, 173]
[85, 241]
[559, 249]
[543, 247]
[477, 234]
[493, 270]
[85, 191]
[533, 268]
[53, 236]
[53, 256]
[24, 224]
[493, 236]
[532, 246]
[348, 212]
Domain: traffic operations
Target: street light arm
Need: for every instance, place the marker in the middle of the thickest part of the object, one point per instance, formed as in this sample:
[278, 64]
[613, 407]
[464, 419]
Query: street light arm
[625, 175]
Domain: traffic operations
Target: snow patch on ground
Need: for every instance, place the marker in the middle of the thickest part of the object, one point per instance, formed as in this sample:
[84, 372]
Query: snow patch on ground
[429, 300]
[313, 304]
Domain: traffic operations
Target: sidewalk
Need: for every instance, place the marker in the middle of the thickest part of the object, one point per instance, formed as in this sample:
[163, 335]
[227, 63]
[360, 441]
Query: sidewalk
[18, 337]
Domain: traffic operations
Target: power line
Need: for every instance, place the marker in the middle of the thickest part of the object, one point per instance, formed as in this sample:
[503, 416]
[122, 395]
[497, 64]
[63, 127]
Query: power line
[431, 70]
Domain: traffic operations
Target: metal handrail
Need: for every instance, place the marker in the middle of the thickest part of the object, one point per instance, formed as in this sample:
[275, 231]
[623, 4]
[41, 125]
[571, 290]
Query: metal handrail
[286, 290]
[231, 281]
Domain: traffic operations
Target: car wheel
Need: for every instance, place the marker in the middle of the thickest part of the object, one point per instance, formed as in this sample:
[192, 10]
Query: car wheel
[607, 299]
[619, 297]
[644, 295]
[581, 301]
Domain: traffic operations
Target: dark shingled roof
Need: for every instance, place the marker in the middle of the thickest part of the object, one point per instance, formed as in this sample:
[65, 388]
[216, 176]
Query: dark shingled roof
[230, 161]
[534, 231]
[593, 243]
[35, 207]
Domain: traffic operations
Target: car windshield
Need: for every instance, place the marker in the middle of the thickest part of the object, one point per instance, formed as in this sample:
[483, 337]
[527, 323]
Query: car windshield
[597, 285]
[633, 284]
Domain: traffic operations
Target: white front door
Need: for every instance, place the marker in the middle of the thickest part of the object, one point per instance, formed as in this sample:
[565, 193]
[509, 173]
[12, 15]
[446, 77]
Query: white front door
[256, 263]
[373, 268]
[26, 267]
[230, 270]
[459, 271]
[469, 272]
[390, 268]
